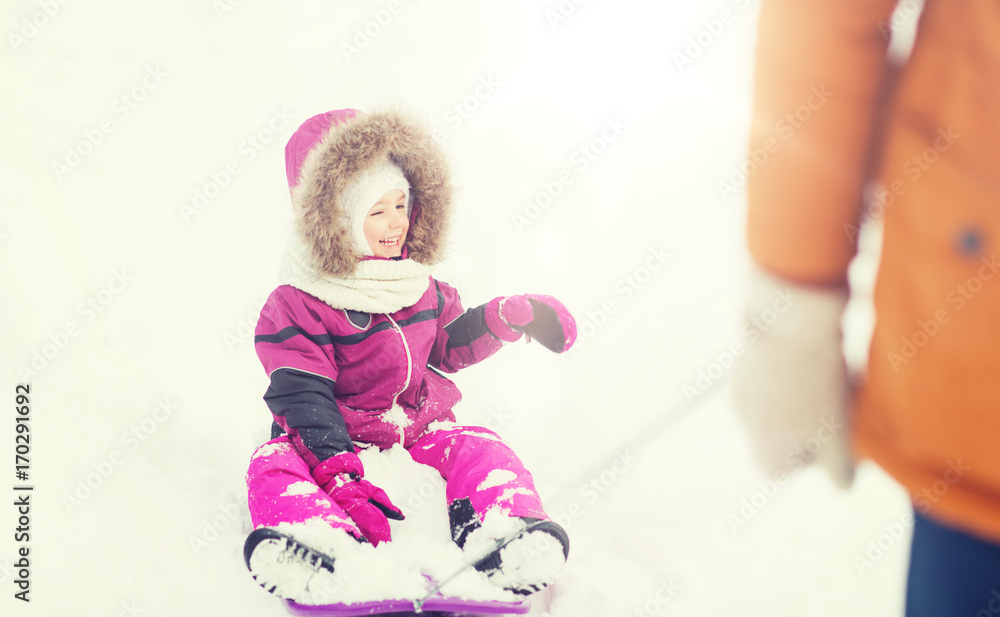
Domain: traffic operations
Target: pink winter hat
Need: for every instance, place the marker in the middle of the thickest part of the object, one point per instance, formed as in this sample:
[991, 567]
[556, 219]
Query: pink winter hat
[307, 137]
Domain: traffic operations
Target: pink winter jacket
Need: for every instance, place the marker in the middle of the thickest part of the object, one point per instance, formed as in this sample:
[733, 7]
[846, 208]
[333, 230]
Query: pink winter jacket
[339, 376]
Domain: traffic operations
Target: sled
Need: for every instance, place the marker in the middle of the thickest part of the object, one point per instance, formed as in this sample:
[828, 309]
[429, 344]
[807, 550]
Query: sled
[438, 606]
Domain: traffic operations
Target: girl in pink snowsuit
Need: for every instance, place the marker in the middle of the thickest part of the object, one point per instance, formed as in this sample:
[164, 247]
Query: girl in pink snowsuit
[356, 343]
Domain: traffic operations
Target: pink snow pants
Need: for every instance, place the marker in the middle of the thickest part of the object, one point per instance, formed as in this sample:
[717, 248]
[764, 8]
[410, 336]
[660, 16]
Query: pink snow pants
[474, 462]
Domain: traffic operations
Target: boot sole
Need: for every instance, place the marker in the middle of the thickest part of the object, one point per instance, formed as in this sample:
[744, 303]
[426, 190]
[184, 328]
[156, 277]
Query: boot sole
[291, 555]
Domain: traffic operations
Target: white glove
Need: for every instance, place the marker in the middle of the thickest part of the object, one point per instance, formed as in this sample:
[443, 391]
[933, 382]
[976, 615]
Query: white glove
[790, 386]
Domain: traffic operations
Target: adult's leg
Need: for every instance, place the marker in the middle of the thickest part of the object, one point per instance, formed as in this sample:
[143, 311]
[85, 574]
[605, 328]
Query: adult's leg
[951, 572]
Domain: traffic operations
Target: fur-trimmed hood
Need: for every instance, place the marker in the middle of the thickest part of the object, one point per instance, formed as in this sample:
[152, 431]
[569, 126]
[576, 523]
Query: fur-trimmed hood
[329, 150]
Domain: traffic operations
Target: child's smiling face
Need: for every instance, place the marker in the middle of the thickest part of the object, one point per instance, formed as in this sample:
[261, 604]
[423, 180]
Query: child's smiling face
[386, 224]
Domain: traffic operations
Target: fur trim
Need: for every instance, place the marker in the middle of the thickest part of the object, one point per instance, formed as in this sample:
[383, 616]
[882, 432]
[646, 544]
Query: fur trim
[346, 150]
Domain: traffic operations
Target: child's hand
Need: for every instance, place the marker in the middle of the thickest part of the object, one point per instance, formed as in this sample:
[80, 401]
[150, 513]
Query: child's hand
[542, 318]
[516, 311]
[341, 476]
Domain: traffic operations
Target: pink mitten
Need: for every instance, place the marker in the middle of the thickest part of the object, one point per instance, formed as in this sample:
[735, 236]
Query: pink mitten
[341, 476]
[542, 318]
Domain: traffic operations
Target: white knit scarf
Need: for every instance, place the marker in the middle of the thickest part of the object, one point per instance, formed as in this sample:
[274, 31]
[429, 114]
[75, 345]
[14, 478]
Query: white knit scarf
[375, 286]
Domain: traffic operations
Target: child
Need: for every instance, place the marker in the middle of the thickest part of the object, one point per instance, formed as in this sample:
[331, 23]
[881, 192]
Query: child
[354, 345]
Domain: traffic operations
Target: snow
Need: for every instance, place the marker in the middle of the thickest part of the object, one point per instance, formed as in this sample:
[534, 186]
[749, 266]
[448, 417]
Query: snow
[133, 279]
[508, 493]
[497, 477]
[270, 448]
[300, 488]
[530, 560]
[397, 415]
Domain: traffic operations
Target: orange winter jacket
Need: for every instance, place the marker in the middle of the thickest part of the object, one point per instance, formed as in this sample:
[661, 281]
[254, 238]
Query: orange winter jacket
[832, 115]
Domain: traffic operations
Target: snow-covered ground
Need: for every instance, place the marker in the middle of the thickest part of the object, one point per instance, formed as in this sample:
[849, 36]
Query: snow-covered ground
[593, 146]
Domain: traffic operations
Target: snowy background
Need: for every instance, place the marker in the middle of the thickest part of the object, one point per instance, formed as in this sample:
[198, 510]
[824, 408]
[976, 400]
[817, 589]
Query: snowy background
[144, 209]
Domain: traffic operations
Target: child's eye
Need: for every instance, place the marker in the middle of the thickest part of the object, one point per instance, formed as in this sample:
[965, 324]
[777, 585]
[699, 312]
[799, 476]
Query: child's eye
[400, 207]
[376, 213]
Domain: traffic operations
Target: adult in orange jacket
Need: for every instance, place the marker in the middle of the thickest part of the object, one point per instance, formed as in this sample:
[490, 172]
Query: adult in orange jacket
[838, 128]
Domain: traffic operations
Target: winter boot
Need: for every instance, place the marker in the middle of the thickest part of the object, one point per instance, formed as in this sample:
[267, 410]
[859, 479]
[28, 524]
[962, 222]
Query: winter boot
[530, 560]
[285, 566]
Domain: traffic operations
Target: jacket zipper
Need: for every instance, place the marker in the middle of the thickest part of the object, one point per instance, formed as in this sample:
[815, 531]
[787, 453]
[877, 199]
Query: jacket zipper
[409, 361]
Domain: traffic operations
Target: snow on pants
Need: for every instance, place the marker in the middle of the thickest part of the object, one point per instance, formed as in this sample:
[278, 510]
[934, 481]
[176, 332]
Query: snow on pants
[281, 489]
[478, 468]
